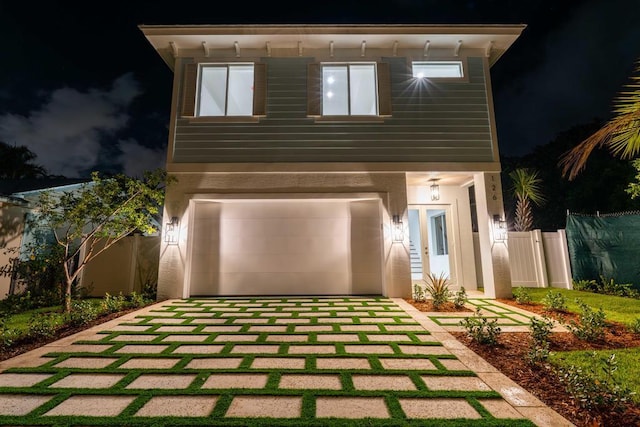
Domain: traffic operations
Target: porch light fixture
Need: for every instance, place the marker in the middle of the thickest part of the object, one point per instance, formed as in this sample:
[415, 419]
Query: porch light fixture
[398, 229]
[435, 189]
[499, 229]
[171, 231]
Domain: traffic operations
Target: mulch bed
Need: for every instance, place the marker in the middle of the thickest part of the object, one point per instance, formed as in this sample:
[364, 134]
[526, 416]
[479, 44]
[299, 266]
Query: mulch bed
[510, 358]
[427, 306]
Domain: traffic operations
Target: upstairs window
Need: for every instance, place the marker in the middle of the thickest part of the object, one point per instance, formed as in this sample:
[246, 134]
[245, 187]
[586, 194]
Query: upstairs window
[437, 69]
[349, 90]
[232, 91]
[226, 90]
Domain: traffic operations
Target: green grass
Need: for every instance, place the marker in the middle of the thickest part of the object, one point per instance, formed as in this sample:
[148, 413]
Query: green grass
[617, 309]
[308, 413]
[20, 321]
[628, 363]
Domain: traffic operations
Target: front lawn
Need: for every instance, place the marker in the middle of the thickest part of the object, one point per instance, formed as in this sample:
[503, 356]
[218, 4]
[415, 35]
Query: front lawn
[618, 309]
[20, 321]
[27, 329]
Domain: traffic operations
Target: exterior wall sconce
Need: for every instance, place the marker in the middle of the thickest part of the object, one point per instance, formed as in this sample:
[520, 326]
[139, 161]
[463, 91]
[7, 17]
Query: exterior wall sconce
[435, 189]
[499, 229]
[171, 231]
[398, 229]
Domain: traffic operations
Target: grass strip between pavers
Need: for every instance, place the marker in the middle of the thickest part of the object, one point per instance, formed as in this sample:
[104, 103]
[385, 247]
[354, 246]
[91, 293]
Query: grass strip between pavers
[374, 307]
[130, 421]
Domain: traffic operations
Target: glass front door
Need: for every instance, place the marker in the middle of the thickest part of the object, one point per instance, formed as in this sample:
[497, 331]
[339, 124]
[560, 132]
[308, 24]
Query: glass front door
[430, 236]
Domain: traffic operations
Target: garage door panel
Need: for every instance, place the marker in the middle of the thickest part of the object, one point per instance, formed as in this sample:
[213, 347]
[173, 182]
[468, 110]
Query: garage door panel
[315, 245]
[286, 247]
[283, 284]
[282, 262]
[284, 209]
[276, 227]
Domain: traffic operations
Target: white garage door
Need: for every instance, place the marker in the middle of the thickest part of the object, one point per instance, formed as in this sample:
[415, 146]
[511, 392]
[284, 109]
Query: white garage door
[286, 247]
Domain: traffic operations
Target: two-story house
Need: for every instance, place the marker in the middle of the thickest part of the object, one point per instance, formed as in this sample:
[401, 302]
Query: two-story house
[332, 159]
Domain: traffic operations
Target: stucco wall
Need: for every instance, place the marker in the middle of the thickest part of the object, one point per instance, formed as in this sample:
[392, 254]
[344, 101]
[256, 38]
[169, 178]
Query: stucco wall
[391, 187]
[124, 267]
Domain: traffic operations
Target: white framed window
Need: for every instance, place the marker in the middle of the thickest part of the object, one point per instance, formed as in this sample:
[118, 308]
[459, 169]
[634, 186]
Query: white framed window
[349, 89]
[437, 69]
[225, 90]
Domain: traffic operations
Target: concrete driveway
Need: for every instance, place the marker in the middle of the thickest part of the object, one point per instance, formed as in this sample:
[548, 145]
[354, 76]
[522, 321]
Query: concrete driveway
[264, 361]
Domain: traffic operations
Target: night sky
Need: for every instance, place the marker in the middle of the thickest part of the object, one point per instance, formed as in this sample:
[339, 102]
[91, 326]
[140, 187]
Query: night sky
[83, 89]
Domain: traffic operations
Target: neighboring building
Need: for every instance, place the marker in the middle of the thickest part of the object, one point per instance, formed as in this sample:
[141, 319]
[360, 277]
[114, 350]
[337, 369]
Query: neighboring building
[327, 159]
[16, 200]
[135, 256]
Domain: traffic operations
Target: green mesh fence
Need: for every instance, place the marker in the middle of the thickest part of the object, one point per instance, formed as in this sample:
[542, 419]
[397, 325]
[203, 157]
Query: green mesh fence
[607, 245]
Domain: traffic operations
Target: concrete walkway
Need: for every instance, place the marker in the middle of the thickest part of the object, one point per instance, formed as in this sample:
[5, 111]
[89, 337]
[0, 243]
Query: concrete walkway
[265, 361]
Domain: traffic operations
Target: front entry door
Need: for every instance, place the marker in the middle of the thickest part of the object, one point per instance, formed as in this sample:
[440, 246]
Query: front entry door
[431, 237]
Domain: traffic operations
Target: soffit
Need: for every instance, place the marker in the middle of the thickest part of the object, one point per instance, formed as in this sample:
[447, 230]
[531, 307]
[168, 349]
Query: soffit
[178, 40]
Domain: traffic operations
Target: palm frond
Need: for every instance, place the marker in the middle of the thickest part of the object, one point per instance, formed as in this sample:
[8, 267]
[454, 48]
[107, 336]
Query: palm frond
[527, 184]
[621, 134]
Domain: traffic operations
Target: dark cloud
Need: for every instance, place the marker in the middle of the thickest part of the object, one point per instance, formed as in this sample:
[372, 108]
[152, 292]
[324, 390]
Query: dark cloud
[67, 131]
[585, 62]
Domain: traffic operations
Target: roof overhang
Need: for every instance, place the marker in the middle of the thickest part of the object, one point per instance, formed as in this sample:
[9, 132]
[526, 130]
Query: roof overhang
[173, 41]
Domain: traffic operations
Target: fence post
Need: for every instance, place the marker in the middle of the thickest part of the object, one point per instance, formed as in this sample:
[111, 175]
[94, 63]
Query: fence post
[566, 262]
[540, 263]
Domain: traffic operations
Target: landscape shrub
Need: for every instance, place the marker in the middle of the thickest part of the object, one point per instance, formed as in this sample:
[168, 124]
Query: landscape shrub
[113, 303]
[586, 285]
[522, 295]
[607, 286]
[419, 295]
[460, 298]
[82, 313]
[8, 335]
[610, 287]
[137, 300]
[438, 288]
[540, 329]
[635, 326]
[480, 329]
[554, 301]
[44, 325]
[596, 388]
[591, 325]
[41, 275]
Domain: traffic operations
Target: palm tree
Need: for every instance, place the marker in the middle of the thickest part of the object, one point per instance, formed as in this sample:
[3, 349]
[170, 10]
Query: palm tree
[16, 162]
[621, 134]
[527, 189]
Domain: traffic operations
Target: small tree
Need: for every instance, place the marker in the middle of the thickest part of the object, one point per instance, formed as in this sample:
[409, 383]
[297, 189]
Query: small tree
[634, 187]
[90, 219]
[527, 189]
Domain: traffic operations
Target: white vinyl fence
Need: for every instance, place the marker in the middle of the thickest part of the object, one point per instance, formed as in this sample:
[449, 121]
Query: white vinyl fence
[537, 259]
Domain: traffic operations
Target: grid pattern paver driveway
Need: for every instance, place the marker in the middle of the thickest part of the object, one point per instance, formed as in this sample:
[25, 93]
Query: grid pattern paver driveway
[265, 361]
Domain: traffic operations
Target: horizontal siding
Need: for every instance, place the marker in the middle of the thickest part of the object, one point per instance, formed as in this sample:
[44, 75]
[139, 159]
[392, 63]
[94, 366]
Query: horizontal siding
[441, 122]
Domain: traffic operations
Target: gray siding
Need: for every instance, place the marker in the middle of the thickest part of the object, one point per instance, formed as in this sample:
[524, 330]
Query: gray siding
[439, 122]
